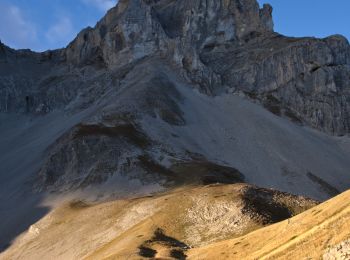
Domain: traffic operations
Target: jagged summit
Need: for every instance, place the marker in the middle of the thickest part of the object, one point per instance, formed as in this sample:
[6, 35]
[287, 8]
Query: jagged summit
[137, 28]
[228, 44]
[176, 30]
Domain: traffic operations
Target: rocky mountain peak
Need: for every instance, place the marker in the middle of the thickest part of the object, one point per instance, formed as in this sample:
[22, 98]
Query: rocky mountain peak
[226, 45]
[138, 28]
[194, 34]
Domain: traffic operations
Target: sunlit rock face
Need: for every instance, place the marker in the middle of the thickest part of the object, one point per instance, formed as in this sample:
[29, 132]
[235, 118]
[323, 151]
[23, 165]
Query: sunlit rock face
[138, 28]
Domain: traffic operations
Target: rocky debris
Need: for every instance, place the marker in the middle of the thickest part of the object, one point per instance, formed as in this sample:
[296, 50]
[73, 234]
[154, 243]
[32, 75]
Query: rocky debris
[223, 211]
[269, 206]
[169, 245]
[203, 215]
[210, 221]
[338, 252]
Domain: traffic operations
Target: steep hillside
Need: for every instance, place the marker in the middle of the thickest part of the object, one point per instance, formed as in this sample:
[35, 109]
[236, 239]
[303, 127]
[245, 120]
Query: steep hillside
[211, 222]
[321, 232]
[159, 225]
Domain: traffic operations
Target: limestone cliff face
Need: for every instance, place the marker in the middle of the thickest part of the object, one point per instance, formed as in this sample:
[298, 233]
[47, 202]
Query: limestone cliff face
[176, 30]
[307, 78]
[137, 28]
[21, 73]
[217, 45]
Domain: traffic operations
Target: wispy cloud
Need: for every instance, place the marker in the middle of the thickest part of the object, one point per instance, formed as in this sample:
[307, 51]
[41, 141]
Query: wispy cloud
[60, 32]
[16, 30]
[103, 5]
[24, 27]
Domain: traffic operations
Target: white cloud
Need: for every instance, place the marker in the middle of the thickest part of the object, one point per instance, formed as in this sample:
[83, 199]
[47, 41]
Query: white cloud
[15, 30]
[103, 5]
[60, 32]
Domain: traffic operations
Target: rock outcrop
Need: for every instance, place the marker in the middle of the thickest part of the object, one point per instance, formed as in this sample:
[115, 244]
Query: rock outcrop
[138, 28]
[308, 78]
[231, 44]
[217, 45]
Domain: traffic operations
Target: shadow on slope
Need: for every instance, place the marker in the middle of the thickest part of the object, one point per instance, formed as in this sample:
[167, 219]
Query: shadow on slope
[18, 221]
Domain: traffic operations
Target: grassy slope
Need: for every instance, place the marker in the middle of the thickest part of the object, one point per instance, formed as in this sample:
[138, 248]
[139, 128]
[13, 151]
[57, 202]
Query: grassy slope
[117, 229]
[306, 236]
[168, 223]
[170, 219]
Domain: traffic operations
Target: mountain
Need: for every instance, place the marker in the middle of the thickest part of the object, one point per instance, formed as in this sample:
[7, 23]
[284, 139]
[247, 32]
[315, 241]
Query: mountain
[164, 94]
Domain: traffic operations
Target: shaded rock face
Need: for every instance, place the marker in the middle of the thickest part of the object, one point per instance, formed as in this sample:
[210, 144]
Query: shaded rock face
[310, 77]
[120, 67]
[19, 73]
[268, 206]
[92, 154]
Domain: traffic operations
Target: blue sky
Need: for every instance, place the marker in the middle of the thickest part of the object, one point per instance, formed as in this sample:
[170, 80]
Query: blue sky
[50, 24]
[318, 18]
[47, 24]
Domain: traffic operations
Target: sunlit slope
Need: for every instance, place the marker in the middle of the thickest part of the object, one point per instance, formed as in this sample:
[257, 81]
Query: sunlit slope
[200, 216]
[306, 236]
[162, 225]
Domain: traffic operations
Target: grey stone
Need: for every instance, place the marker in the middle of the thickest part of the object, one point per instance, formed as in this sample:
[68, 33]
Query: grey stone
[217, 46]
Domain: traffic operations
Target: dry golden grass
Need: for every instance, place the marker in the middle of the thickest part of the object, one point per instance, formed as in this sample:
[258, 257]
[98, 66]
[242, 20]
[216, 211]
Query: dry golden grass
[306, 236]
[189, 221]
[173, 218]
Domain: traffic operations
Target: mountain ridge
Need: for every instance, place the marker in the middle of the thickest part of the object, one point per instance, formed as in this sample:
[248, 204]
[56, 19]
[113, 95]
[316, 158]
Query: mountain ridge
[118, 40]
